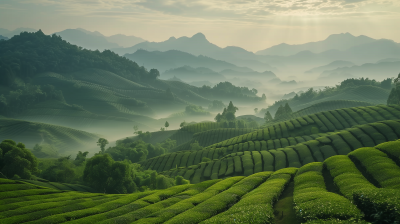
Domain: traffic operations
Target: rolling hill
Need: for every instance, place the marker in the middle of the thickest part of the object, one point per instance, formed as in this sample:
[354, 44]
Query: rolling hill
[31, 133]
[349, 188]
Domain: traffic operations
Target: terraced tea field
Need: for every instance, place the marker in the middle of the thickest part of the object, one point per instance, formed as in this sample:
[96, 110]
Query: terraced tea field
[326, 106]
[352, 188]
[290, 143]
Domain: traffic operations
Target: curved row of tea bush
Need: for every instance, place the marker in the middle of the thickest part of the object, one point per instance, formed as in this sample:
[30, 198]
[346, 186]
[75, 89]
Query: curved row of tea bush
[326, 106]
[255, 159]
[207, 138]
[232, 200]
[290, 151]
[318, 123]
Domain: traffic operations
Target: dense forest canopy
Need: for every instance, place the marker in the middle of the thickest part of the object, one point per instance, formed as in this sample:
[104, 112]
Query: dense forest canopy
[27, 54]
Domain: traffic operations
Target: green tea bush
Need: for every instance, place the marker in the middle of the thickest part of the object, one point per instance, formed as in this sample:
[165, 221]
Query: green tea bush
[379, 205]
[384, 170]
[346, 176]
[313, 202]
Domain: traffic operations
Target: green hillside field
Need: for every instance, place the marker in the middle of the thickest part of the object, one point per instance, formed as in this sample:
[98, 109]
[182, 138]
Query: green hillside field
[315, 136]
[352, 188]
[32, 133]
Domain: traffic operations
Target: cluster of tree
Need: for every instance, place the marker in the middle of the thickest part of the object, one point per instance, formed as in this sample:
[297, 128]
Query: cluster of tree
[283, 112]
[23, 96]
[386, 83]
[228, 114]
[138, 150]
[27, 54]
[16, 161]
[394, 97]
[196, 110]
[227, 89]
[312, 94]
[216, 105]
[120, 177]
[101, 172]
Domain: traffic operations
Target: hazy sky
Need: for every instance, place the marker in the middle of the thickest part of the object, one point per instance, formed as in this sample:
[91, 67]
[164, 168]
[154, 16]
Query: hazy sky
[251, 24]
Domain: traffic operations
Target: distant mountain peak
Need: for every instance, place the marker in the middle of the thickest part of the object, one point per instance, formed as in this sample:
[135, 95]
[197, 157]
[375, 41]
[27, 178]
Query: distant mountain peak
[199, 36]
[172, 38]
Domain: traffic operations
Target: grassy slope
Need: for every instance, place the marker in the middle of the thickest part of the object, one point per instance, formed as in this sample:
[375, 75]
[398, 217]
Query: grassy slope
[31, 133]
[233, 200]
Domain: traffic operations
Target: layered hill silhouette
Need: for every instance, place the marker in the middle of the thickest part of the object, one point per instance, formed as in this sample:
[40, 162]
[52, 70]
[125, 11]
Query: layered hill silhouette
[199, 45]
[341, 42]
[97, 41]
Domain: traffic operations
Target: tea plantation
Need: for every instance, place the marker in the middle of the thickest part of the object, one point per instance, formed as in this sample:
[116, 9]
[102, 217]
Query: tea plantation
[361, 187]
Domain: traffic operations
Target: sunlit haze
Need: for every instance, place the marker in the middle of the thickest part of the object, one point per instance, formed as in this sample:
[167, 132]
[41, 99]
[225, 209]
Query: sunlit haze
[250, 24]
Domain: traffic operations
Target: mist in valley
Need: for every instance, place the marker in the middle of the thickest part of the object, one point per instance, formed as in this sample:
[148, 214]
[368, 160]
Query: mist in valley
[119, 97]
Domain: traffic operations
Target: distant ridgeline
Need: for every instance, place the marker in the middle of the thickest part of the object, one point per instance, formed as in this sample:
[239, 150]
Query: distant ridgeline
[361, 90]
[292, 143]
[94, 89]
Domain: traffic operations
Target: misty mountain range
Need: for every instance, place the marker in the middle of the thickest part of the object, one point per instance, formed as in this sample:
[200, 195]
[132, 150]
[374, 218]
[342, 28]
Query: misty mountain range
[336, 51]
[86, 39]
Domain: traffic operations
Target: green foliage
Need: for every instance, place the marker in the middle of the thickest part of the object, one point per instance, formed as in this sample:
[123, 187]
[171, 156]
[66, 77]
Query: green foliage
[105, 175]
[268, 117]
[135, 151]
[195, 110]
[205, 159]
[26, 95]
[394, 97]
[80, 158]
[216, 105]
[102, 142]
[16, 160]
[179, 180]
[228, 90]
[183, 124]
[283, 112]
[228, 114]
[166, 124]
[195, 146]
[312, 201]
[62, 171]
[30, 53]
[379, 205]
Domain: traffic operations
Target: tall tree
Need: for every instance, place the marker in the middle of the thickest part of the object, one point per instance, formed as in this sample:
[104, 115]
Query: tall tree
[268, 117]
[102, 142]
[166, 124]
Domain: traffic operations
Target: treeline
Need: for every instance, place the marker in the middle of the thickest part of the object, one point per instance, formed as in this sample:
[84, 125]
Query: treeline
[107, 172]
[394, 97]
[27, 54]
[18, 100]
[227, 89]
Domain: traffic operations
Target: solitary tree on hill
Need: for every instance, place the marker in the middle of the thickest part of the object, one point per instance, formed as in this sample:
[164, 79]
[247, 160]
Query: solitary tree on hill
[256, 110]
[102, 142]
[166, 124]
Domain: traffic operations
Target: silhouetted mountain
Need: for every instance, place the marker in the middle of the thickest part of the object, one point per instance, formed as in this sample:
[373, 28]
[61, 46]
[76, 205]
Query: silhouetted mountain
[125, 41]
[331, 66]
[3, 37]
[86, 39]
[189, 74]
[341, 41]
[11, 33]
[199, 45]
[364, 53]
[378, 71]
[173, 59]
